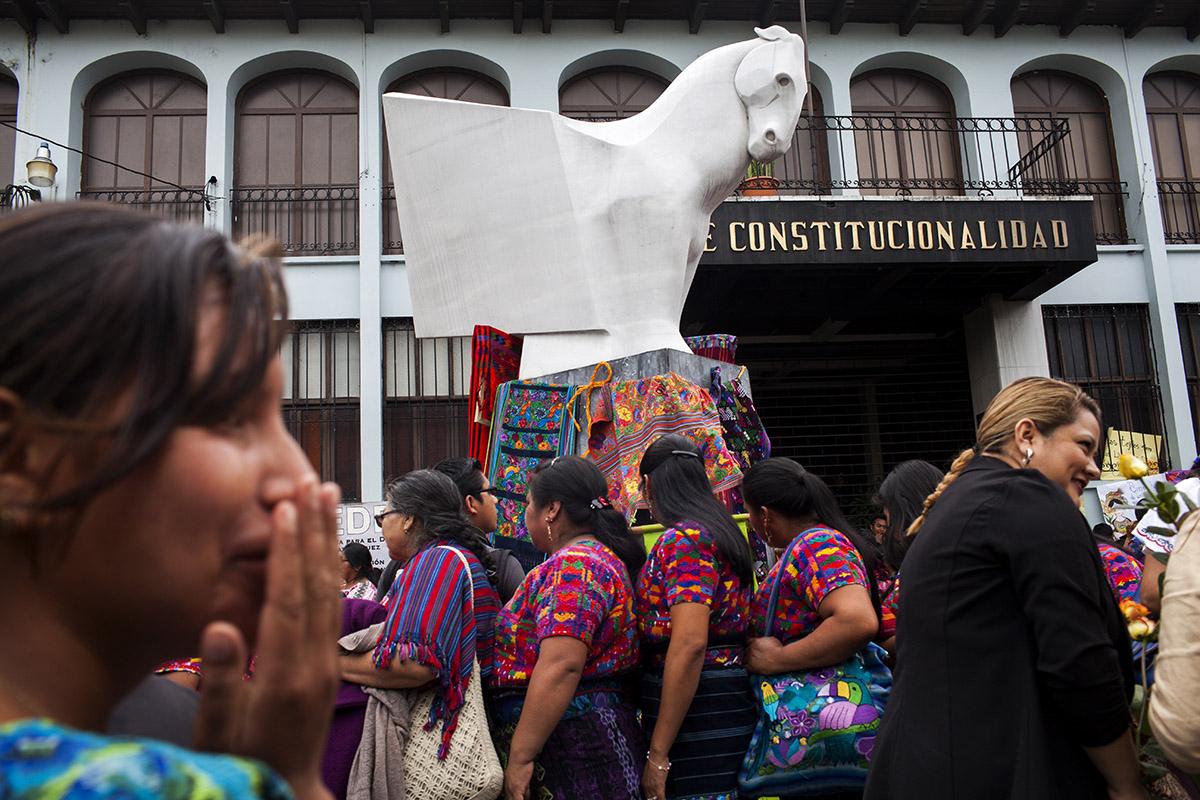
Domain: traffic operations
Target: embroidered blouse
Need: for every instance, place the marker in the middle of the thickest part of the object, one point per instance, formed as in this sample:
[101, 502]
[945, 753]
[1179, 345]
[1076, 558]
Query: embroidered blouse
[429, 622]
[818, 561]
[360, 590]
[684, 566]
[582, 591]
[47, 761]
[889, 604]
[1123, 571]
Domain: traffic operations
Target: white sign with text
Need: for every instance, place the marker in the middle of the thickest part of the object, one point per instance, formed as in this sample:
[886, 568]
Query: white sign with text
[356, 523]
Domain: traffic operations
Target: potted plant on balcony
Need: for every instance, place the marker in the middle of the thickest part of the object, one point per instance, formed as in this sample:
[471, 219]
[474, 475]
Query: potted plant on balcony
[760, 180]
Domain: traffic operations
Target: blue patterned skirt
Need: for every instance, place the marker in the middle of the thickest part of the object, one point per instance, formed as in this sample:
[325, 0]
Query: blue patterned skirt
[596, 751]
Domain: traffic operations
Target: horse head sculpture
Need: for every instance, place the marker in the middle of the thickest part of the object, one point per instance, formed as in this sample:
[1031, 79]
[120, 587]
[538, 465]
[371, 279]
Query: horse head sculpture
[583, 236]
[771, 83]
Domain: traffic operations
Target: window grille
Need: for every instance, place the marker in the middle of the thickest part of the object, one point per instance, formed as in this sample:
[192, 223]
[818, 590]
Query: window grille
[425, 397]
[1107, 350]
[1188, 317]
[321, 390]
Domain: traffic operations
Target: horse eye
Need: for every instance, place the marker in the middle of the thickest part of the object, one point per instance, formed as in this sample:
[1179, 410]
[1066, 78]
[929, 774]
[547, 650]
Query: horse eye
[784, 80]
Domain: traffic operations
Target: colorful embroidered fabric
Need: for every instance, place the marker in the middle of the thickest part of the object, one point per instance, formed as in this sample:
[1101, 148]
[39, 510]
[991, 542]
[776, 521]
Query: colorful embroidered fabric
[361, 590]
[581, 591]
[889, 604]
[190, 665]
[822, 560]
[645, 410]
[429, 622]
[684, 566]
[495, 359]
[533, 423]
[1123, 571]
[717, 346]
[43, 760]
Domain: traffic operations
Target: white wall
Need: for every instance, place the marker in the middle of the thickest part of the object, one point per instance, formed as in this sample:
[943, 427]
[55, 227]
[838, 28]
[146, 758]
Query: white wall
[55, 73]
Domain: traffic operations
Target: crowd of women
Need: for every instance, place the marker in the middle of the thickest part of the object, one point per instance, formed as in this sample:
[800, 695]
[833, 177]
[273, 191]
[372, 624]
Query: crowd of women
[152, 505]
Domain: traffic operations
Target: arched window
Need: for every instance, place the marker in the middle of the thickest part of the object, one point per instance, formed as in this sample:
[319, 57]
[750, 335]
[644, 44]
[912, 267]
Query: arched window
[8, 137]
[296, 162]
[804, 168]
[905, 135]
[1087, 154]
[153, 122]
[1173, 110]
[609, 93]
[448, 84]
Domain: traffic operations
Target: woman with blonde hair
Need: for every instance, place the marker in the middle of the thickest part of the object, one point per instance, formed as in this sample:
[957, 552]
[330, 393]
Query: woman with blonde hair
[1014, 674]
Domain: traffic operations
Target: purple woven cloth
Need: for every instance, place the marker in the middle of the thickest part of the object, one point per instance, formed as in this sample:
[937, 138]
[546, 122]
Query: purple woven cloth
[350, 707]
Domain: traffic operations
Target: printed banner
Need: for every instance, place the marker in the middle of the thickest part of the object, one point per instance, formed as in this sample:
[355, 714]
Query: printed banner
[356, 523]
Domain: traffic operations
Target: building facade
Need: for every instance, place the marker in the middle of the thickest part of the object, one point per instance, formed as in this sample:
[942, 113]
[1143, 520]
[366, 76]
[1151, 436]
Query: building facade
[859, 361]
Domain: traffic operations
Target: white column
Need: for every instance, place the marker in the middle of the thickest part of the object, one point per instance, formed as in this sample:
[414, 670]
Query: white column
[370, 246]
[1005, 341]
[219, 151]
[843, 158]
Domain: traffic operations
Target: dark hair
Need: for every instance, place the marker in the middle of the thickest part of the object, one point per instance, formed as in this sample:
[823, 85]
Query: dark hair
[578, 484]
[359, 558]
[681, 493]
[433, 501]
[98, 301]
[903, 494]
[467, 474]
[784, 486]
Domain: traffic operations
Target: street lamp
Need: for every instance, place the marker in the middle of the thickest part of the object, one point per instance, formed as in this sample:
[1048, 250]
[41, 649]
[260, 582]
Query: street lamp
[41, 169]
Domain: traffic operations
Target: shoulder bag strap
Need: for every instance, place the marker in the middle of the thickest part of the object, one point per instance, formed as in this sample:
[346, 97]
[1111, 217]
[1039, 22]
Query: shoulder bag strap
[470, 575]
[773, 602]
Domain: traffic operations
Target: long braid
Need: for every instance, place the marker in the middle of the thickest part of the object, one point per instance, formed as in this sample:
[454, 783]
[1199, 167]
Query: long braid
[956, 469]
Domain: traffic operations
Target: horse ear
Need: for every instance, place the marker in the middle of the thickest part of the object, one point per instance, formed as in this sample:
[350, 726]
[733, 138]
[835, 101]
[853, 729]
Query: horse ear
[773, 33]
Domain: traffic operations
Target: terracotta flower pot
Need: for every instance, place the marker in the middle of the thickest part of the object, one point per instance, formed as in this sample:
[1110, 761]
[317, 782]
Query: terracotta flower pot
[762, 186]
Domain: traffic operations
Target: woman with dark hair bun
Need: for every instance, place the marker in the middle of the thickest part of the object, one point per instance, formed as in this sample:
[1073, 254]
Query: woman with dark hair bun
[358, 575]
[431, 633]
[693, 608]
[827, 604]
[902, 495]
[567, 644]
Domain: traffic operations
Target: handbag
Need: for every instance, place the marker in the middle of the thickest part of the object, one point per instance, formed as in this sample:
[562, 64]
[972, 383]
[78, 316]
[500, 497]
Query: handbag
[816, 728]
[471, 770]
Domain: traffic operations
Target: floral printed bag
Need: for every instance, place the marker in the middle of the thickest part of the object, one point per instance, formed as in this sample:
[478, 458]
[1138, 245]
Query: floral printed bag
[816, 728]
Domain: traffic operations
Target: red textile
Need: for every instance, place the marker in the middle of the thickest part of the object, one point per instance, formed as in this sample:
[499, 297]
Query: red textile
[495, 359]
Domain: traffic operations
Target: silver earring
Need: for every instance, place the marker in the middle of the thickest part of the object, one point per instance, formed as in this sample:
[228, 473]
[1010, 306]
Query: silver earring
[1028, 455]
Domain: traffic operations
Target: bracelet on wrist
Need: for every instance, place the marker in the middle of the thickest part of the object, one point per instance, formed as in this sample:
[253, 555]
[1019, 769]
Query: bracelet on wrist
[659, 767]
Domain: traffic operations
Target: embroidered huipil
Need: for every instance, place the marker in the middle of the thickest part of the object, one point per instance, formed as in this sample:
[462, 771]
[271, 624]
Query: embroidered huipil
[889, 603]
[1123, 571]
[429, 622]
[685, 567]
[581, 591]
[44, 760]
[821, 560]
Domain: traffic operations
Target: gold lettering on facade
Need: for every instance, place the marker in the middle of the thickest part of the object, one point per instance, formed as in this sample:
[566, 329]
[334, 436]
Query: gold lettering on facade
[1039, 238]
[945, 235]
[983, 240]
[733, 244]
[925, 234]
[1020, 239]
[758, 236]
[820, 228]
[1003, 231]
[855, 229]
[1058, 232]
[892, 243]
[837, 236]
[778, 236]
[967, 243]
[875, 234]
[709, 247]
[801, 238]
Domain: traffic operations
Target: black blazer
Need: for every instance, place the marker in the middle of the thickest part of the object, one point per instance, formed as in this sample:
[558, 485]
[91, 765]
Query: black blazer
[1012, 655]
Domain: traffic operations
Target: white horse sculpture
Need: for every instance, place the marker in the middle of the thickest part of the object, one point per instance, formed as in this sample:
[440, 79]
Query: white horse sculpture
[583, 236]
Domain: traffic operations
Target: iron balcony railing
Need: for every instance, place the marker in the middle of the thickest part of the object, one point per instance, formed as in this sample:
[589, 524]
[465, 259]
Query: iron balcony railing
[15, 196]
[1180, 202]
[180, 205]
[393, 244]
[937, 155]
[307, 220]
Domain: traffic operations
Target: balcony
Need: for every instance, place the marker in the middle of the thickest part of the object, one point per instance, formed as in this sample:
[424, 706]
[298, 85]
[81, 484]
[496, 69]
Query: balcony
[177, 205]
[938, 156]
[307, 221]
[1180, 202]
[17, 197]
